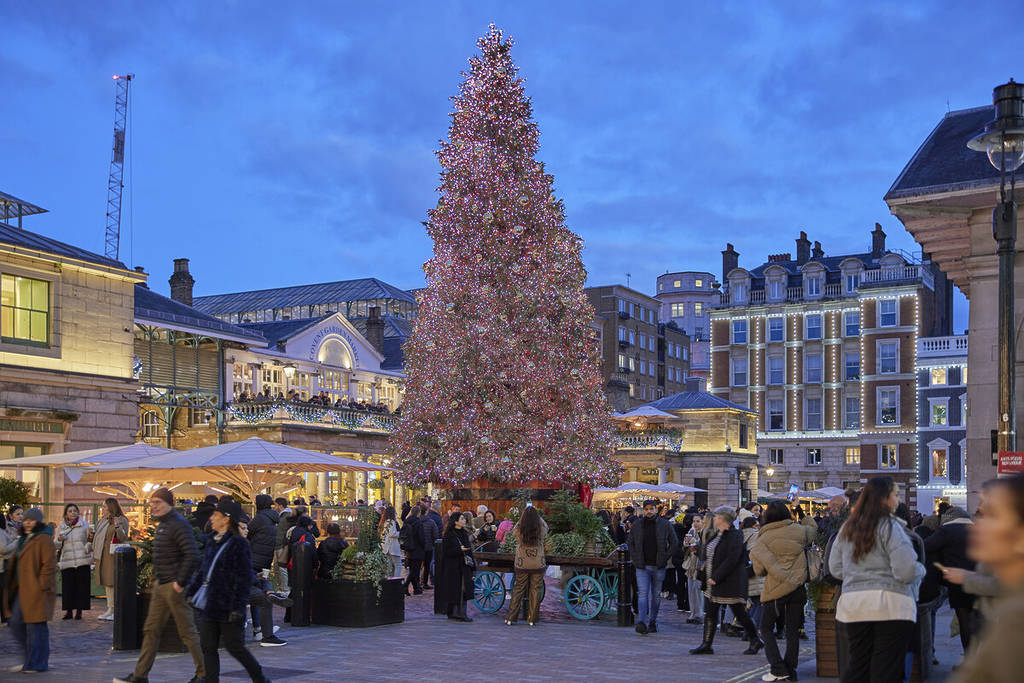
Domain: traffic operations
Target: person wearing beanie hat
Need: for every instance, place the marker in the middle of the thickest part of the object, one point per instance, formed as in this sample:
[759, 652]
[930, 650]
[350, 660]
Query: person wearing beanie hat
[220, 590]
[174, 560]
[30, 591]
[652, 542]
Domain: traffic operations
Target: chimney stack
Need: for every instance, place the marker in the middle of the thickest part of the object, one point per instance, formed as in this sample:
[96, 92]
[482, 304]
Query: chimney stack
[181, 282]
[375, 329]
[817, 252]
[877, 241]
[730, 261]
[803, 248]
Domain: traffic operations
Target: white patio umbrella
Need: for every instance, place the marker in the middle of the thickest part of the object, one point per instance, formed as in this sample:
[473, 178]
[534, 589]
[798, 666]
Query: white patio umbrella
[648, 412]
[681, 488]
[830, 491]
[251, 465]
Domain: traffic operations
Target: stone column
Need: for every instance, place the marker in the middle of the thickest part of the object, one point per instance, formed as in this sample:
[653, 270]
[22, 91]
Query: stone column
[361, 478]
[321, 485]
[400, 495]
[662, 475]
[373, 393]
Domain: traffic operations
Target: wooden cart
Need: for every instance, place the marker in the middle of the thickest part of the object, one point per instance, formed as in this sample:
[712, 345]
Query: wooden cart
[593, 588]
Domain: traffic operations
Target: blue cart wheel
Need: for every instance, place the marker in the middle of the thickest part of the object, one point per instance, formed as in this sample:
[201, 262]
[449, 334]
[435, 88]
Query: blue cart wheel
[584, 596]
[609, 579]
[488, 592]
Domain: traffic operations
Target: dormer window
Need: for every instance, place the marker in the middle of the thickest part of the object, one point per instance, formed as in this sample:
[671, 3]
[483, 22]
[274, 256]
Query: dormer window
[775, 290]
[739, 293]
[812, 285]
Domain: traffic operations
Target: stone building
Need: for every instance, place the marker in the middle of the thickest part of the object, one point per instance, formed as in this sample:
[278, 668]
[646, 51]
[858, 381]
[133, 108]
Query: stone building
[824, 349]
[702, 440]
[66, 349]
[642, 359]
[941, 421]
[945, 196]
[686, 300]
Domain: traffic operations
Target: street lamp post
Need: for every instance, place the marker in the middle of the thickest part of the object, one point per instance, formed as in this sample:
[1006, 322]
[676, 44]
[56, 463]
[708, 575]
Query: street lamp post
[1003, 141]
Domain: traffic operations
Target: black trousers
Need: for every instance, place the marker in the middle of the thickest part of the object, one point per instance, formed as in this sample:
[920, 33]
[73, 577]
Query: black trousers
[75, 588]
[414, 575]
[262, 611]
[739, 611]
[790, 607]
[877, 650]
[682, 589]
[427, 557]
[210, 634]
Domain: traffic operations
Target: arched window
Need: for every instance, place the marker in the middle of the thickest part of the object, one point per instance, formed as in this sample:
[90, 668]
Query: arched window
[151, 428]
[333, 352]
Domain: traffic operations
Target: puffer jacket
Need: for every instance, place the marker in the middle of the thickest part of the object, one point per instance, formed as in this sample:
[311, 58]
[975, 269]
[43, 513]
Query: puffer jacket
[778, 555]
[230, 579]
[755, 583]
[73, 544]
[174, 549]
[263, 538]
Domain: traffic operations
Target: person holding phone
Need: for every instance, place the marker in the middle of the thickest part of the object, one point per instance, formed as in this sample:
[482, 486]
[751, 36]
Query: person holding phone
[456, 585]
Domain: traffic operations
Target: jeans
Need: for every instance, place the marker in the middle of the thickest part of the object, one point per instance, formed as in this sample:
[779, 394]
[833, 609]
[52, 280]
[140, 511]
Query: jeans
[167, 602]
[648, 585]
[877, 650]
[790, 607]
[210, 634]
[262, 612]
[396, 566]
[696, 598]
[33, 637]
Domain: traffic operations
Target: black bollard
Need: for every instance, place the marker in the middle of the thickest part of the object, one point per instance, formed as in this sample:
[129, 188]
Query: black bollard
[625, 612]
[301, 577]
[439, 607]
[126, 600]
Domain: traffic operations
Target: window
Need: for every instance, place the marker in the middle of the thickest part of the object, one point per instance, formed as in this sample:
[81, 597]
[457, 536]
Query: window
[940, 463]
[852, 321]
[852, 455]
[939, 409]
[650, 368]
[963, 409]
[632, 336]
[622, 334]
[776, 418]
[963, 374]
[632, 390]
[938, 377]
[852, 412]
[813, 369]
[668, 347]
[775, 370]
[812, 416]
[643, 367]
[813, 286]
[851, 485]
[739, 293]
[775, 333]
[852, 282]
[698, 283]
[199, 416]
[775, 456]
[778, 486]
[888, 357]
[151, 425]
[743, 435]
[677, 283]
[739, 372]
[678, 310]
[622, 361]
[739, 331]
[888, 458]
[698, 308]
[632, 363]
[813, 326]
[775, 290]
[888, 406]
[24, 310]
[887, 313]
[813, 484]
[813, 456]
[852, 366]
[650, 343]
[685, 351]
[643, 340]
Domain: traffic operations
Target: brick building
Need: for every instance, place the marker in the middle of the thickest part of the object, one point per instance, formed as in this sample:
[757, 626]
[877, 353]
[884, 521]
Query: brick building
[941, 421]
[824, 349]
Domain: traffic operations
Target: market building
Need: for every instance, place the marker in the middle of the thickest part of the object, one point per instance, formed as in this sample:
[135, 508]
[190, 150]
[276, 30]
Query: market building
[941, 421]
[945, 197]
[695, 438]
[824, 350]
[686, 299]
[66, 349]
[642, 359]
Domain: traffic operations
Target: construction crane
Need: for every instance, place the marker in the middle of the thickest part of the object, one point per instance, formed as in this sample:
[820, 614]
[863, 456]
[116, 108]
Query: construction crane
[115, 183]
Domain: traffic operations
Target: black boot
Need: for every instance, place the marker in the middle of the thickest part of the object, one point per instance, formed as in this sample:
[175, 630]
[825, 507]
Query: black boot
[709, 637]
[755, 644]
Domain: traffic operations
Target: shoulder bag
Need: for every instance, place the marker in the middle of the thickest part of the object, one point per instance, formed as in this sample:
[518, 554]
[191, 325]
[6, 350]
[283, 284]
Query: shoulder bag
[198, 601]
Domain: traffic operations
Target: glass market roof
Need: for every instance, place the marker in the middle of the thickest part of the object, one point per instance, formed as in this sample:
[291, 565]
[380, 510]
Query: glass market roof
[160, 311]
[301, 295]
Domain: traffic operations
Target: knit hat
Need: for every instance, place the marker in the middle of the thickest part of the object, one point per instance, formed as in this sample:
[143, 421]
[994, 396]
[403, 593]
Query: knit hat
[230, 509]
[34, 513]
[164, 494]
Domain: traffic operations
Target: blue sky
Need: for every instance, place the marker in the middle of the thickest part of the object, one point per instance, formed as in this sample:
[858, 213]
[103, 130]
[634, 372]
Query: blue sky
[283, 143]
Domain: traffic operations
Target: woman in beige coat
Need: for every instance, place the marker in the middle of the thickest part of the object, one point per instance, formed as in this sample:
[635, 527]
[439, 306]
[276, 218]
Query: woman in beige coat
[112, 527]
[30, 592]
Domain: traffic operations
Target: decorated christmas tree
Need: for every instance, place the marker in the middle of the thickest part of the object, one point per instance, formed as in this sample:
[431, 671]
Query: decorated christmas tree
[502, 369]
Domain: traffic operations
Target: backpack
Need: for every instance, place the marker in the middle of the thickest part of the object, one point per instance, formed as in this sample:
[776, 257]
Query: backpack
[405, 537]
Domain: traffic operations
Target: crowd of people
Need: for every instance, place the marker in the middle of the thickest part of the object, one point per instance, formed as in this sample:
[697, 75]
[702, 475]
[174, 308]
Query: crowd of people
[321, 399]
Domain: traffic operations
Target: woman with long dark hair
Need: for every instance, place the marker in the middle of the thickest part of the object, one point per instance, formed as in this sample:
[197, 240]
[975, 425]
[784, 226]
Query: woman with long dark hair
[112, 527]
[456, 584]
[219, 592]
[529, 566]
[487, 534]
[878, 566]
[74, 562]
[389, 540]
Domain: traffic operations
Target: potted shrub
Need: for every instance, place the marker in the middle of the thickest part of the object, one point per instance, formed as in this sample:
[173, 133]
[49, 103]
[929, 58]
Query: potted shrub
[169, 639]
[359, 591]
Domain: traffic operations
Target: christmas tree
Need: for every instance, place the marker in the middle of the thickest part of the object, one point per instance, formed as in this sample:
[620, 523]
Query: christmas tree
[502, 369]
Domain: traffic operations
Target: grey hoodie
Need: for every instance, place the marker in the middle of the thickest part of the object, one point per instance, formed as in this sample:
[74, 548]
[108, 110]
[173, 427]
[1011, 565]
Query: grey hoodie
[890, 565]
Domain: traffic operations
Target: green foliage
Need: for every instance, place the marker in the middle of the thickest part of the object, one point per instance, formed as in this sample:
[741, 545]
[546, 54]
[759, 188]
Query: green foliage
[509, 544]
[348, 554]
[369, 538]
[13, 492]
[559, 507]
[603, 542]
[376, 484]
[569, 544]
[372, 567]
[144, 572]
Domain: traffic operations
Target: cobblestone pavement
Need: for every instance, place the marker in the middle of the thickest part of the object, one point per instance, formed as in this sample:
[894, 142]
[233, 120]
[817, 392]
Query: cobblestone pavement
[429, 647]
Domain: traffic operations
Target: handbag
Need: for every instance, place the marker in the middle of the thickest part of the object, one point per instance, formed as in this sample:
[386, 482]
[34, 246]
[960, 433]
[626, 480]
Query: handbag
[814, 563]
[198, 600]
[470, 562]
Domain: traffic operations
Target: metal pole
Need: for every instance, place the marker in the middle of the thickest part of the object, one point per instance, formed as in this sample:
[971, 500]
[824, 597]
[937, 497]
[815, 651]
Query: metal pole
[126, 600]
[624, 617]
[1004, 229]
[302, 584]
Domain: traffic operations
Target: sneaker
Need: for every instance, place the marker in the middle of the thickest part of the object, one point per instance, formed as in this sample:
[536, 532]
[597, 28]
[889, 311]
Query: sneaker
[680, 609]
[641, 628]
[653, 628]
[130, 678]
[106, 616]
[772, 677]
[16, 669]
[257, 634]
[272, 641]
[280, 599]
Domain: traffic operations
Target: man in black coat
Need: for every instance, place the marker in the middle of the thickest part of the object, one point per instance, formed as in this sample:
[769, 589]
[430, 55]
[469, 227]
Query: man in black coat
[431, 525]
[411, 538]
[263, 533]
[330, 549]
[652, 541]
[948, 547]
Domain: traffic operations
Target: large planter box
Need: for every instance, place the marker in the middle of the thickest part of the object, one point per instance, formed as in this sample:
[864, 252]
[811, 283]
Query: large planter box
[354, 603]
[826, 642]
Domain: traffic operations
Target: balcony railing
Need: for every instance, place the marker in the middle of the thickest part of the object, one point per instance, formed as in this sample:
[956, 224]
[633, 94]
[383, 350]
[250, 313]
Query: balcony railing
[306, 413]
[656, 440]
[892, 275]
[942, 346]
